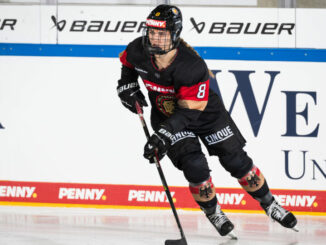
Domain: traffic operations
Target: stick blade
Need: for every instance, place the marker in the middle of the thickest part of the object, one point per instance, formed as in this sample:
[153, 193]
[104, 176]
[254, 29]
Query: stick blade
[295, 228]
[232, 235]
[181, 241]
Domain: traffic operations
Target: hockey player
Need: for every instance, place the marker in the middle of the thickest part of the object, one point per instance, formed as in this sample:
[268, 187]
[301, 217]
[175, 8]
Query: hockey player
[184, 109]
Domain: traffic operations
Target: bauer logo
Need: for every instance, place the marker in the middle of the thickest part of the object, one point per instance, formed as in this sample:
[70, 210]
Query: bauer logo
[18, 191]
[199, 27]
[60, 25]
[246, 28]
[117, 26]
[148, 196]
[81, 194]
[1, 127]
[7, 24]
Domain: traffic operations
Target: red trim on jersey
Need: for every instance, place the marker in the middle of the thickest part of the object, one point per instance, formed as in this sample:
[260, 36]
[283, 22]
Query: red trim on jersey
[123, 59]
[159, 88]
[198, 92]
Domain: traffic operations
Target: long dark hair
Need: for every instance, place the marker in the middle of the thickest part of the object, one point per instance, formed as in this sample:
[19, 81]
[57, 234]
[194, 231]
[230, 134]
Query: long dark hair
[192, 49]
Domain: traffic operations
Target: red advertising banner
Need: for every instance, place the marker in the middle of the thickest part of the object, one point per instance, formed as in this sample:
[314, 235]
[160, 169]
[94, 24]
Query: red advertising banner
[138, 196]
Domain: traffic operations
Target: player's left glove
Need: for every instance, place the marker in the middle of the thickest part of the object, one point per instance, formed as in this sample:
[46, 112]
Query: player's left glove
[129, 93]
[160, 142]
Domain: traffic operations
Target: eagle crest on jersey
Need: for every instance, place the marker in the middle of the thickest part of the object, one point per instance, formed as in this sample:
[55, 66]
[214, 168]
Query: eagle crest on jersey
[166, 104]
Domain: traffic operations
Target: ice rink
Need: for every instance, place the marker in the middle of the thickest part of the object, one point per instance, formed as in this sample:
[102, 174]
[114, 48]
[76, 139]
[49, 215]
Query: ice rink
[78, 226]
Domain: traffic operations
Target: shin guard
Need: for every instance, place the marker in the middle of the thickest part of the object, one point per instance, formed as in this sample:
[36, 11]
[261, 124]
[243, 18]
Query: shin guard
[203, 190]
[251, 179]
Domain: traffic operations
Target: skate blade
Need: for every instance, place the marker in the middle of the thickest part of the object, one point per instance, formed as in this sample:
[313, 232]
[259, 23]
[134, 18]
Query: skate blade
[295, 229]
[232, 236]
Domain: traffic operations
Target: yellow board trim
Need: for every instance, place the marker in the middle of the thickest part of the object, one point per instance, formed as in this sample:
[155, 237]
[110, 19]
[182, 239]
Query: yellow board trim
[67, 205]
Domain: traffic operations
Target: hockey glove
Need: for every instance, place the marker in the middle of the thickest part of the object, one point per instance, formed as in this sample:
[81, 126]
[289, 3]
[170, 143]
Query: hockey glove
[160, 142]
[130, 93]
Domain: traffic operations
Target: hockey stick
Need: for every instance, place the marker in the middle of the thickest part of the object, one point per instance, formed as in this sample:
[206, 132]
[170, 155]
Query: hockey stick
[181, 241]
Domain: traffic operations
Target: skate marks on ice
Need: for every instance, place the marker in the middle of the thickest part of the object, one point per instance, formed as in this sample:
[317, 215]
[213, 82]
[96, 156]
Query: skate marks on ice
[71, 226]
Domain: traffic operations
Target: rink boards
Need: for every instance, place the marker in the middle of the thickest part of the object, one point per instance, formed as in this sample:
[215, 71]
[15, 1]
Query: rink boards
[61, 121]
[142, 196]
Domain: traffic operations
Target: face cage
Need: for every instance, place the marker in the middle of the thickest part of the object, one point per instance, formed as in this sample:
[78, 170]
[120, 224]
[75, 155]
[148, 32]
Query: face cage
[155, 49]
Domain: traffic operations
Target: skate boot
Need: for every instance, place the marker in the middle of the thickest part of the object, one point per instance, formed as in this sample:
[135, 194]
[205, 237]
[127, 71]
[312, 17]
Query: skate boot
[221, 223]
[277, 213]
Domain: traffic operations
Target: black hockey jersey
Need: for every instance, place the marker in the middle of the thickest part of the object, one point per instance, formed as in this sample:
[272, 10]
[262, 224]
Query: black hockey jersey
[186, 78]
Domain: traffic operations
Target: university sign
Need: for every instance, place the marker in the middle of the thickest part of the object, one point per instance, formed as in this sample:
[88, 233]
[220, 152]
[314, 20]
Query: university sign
[245, 90]
[245, 95]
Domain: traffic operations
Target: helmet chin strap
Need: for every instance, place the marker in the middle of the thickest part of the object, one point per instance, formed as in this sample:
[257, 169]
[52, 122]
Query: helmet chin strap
[158, 50]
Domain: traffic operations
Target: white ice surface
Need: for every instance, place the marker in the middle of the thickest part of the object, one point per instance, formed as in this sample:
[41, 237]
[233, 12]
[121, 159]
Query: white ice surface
[74, 226]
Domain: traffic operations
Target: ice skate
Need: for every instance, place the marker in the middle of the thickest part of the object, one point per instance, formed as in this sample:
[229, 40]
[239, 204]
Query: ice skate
[221, 223]
[277, 213]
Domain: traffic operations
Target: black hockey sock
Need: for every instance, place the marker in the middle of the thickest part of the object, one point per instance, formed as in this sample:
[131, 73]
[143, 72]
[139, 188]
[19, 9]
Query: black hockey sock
[263, 195]
[208, 207]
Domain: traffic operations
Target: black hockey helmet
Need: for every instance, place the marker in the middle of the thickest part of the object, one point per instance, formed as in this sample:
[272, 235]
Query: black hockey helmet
[166, 17]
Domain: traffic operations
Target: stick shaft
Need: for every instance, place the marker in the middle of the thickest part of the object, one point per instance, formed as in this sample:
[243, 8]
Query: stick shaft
[160, 171]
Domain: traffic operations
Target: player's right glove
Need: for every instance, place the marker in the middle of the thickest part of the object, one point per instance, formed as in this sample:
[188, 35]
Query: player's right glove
[129, 93]
[159, 142]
